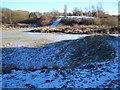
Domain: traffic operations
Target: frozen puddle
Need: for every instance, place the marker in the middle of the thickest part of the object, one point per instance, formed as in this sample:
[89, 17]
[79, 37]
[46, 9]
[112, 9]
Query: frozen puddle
[24, 38]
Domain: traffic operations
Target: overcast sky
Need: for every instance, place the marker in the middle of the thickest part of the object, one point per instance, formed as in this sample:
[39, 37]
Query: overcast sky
[109, 6]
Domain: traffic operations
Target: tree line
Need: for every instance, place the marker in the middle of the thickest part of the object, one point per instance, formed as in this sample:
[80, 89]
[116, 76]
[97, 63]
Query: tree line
[15, 16]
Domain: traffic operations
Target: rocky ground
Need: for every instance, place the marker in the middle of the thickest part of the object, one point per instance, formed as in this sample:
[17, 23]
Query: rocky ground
[91, 62]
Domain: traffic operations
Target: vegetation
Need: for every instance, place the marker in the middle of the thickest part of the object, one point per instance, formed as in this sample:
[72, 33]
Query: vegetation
[67, 21]
[111, 21]
[37, 19]
[79, 29]
[10, 16]
[77, 12]
[32, 15]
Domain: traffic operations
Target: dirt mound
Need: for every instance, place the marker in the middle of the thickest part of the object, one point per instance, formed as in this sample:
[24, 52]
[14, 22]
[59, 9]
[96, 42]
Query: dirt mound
[80, 53]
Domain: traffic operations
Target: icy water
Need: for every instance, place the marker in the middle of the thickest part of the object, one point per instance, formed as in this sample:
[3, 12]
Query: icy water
[18, 38]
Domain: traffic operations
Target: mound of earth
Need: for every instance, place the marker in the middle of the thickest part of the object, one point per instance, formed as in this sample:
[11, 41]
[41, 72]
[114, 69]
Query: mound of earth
[72, 54]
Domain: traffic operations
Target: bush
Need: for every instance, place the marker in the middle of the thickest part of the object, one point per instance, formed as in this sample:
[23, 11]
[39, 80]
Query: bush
[90, 21]
[110, 21]
[45, 20]
[114, 30]
[68, 21]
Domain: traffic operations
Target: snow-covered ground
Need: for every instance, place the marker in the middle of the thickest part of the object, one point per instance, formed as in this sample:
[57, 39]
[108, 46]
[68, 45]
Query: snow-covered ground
[56, 22]
[105, 75]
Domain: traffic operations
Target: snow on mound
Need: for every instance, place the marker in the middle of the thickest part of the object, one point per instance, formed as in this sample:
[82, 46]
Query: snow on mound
[65, 54]
[95, 73]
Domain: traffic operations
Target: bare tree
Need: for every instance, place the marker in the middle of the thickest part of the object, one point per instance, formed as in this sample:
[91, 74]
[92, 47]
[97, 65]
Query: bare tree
[55, 12]
[99, 9]
[75, 9]
[93, 9]
[81, 11]
[10, 17]
[65, 10]
[77, 12]
[86, 10]
[100, 13]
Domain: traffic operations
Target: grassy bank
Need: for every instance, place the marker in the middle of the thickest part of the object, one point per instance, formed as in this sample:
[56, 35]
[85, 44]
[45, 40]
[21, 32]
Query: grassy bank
[79, 29]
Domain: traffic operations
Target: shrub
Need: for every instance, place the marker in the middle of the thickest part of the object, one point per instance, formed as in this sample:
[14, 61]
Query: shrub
[114, 30]
[110, 21]
[68, 21]
[94, 21]
[45, 20]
